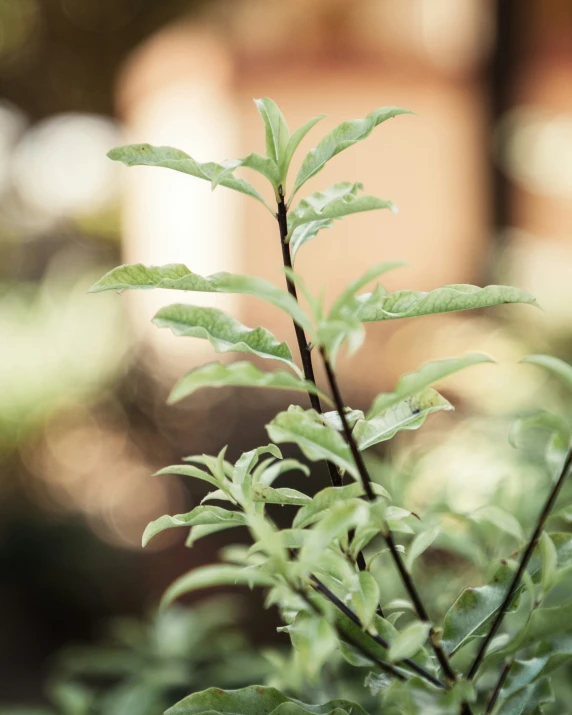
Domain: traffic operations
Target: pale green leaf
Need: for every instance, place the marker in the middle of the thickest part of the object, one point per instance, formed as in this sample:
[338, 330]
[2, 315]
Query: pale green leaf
[317, 441]
[306, 232]
[214, 575]
[256, 162]
[201, 531]
[225, 333]
[337, 201]
[343, 136]
[271, 473]
[412, 383]
[412, 303]
[314, 641]
[239, 374]
[544, 623]
[409, 641]
[420, 544]
[176, 276]
[409, 414]
[283, 495]
[294, 143]
[247, 460]
[200, 515]
[329, 496]
[500, 518]
[170, 158]
[186, 470]
[528, 700]
[334, 420]
[277, 134]
[543, 425]
[256, 700]
[365, 598]
[346, 303]
[556, 366]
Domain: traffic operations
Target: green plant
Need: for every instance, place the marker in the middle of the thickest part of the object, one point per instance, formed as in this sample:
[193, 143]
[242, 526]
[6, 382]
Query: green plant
[328, 572]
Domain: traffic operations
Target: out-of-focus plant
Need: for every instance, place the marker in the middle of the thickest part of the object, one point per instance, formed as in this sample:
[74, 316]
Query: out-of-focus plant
[327, 572]
[143, 666]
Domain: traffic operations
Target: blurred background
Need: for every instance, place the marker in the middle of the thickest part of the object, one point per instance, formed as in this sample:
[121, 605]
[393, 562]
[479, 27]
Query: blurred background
[482, 175]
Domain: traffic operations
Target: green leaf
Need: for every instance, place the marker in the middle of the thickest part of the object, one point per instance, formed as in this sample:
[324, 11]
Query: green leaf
[256, 162]
[277, 134]
[337, 201]
[239, 374]
[412, 303]
[526, 429]
[409, 414]
[306, 232]
[365, 598]
[170, 158]
[176, 276]
[527, 700]
[500, 518]
[329, 496]
[315, 439]
[256, 700]
[543, 623]
[283, 495]
[225, 333]
[294, 143]
[346, 303]
[409, 641]
[314, 641]
[556, 366]
[343, 136]
[186, 470]
[412, 383]
[214, 575]
[420, 544]
[201, 531]
[271, 473]
[200, 515]
[247, 461]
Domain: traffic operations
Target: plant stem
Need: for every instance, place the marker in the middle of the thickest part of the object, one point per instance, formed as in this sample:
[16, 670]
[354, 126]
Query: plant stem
[387, 535]
[522, 565]
[496, 692]
[341, 606]
[303, 346]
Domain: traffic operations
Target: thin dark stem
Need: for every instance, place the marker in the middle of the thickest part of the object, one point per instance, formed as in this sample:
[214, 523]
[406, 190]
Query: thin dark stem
[382, 665]
[388, 536]
[496, 692]
[303, 345]
[341, 606]
[522, 566]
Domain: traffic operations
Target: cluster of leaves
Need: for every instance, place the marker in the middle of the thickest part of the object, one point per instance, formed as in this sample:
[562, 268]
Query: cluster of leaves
[319, 572]
[144, 666]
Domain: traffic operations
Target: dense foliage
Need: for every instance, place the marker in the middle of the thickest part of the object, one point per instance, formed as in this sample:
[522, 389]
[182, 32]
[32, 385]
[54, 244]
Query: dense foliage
[325, 573]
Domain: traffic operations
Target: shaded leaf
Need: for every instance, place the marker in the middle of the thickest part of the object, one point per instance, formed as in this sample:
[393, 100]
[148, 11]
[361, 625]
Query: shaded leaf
[409, 414]
[500, 518]
[200, 515]
[343, 136]
[256, 700]
[201, 531]
[525, 429]
[329, 496]
[214, 575]
[314, 641]
[317, 441]
[365, 598]
[306, 232]
[170, 158]
[420, 544]
[238, 374]
[225, 333]
[527, 700]
[412, 303]
[556, 366]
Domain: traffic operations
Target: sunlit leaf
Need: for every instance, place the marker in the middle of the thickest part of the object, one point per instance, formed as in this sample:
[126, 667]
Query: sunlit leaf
[277, 134]
[409, 641]
[409, 414]
[176, 276]
[256, 162]
[346, 303]
[317, 441]
[256, 700]
[170, 158]
[420, 544]
[225, 333]
[214, 575]
[412, 303]
[556, 366]
[247, 461]
[239, 374]
[283, 495]
[200, 515]
[412, 383]
[337, 201]
[186, 470]
[343, 136]
[294, 142]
